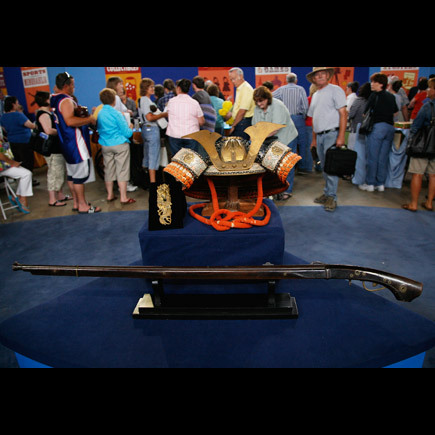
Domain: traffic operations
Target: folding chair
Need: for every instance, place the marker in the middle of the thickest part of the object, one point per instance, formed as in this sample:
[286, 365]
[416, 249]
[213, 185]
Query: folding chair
[13, 200]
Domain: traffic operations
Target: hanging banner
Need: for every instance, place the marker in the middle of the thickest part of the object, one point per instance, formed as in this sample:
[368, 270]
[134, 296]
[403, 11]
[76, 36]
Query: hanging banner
[342, 76]
[35, 78]
[130, 75]
[408, 74]
[275, 74]
[219, 76]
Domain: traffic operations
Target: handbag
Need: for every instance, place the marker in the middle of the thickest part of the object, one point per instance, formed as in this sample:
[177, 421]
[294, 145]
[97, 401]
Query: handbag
[422, 144]
[368, 120]
[340, 161]
[41, 143]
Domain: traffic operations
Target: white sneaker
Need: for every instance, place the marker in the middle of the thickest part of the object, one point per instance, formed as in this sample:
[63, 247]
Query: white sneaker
[367, 187]
[131, 188]
[380, 188]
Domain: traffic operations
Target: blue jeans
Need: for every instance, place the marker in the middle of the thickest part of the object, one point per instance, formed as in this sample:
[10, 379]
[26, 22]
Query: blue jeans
[175, 145]
[379, 143]
[361, 166]
[151, 147]
[324, 142]
[240, 128]
[303, 144]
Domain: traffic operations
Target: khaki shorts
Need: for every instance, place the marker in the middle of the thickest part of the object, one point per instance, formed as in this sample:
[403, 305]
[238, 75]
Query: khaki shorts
[421, 166]
[116, 162]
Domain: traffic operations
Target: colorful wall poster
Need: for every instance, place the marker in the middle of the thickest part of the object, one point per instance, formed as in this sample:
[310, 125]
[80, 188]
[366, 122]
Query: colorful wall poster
[342, 76]
[130, 75]
[275, 74]
[3, 82]
[35, 78]
[408, 74]
[220, 77]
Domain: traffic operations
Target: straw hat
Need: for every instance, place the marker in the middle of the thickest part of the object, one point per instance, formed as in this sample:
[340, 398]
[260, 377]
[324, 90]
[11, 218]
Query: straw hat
[316, 69]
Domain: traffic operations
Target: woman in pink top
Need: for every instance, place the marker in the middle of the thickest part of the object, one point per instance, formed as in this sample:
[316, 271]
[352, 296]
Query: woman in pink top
[185, 116]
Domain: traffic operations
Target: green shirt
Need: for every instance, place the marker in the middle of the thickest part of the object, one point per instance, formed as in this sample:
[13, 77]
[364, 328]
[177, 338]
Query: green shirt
[277, 113]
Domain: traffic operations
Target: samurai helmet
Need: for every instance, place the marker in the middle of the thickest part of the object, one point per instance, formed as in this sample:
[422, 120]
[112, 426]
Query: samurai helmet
[233, 156]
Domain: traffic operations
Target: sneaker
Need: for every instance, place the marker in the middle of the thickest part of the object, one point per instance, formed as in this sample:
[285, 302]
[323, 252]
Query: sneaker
[321, 199]
[380, 188]
[366, 187]
[331, 204]
[131, 188]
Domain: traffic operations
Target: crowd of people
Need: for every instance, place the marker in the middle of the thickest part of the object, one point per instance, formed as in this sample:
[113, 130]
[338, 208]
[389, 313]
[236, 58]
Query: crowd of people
[167, 113]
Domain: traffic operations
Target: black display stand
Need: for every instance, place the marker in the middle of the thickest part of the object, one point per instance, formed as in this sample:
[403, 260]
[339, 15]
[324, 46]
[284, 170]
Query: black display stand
[200, 245]
[270, 305]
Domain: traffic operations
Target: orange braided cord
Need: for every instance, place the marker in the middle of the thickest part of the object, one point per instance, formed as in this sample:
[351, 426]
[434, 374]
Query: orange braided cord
[224, 220]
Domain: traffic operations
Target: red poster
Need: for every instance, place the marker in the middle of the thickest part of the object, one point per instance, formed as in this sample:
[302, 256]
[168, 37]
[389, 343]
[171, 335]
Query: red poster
[3, 82]
[275, 74]
[219, 76]
[408, 74]
[35, 79]
[342, 76]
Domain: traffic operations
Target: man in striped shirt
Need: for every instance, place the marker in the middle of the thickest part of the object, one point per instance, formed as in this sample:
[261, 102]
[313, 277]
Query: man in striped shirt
[295, 99]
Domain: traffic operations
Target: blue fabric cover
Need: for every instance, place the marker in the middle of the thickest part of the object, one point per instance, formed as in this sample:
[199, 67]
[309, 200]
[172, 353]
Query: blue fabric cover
[201, 245]
[338, 325]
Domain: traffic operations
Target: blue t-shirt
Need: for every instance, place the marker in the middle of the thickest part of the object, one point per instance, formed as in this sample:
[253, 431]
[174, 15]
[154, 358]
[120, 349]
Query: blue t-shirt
[13, 123]
[112, 127]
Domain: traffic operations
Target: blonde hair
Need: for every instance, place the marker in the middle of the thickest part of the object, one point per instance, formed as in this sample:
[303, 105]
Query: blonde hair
[313, 89]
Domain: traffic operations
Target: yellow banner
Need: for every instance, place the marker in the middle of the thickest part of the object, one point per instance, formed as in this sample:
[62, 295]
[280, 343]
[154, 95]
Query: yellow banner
[130, 75]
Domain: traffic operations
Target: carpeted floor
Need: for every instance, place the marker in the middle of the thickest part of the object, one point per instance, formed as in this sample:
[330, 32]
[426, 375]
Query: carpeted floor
[387, 239]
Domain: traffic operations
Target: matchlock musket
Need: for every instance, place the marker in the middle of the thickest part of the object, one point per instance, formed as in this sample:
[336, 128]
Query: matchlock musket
[404, 289]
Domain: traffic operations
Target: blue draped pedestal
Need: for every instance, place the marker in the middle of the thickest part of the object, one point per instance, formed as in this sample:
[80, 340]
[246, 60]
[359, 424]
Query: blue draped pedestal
[338, 325]
[201, 245]
[397, 162]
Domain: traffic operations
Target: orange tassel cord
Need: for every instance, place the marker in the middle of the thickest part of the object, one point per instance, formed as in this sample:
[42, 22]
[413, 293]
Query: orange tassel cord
[224, 220]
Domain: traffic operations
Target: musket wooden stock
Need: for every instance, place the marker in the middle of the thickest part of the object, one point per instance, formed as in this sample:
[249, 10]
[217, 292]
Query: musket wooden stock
[403, 289]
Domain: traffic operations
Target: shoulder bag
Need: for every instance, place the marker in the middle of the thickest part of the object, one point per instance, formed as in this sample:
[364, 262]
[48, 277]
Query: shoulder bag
[368, 120]
[422, 144]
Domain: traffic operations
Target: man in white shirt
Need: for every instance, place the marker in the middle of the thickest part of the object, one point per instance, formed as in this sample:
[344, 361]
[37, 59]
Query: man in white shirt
[328, 110]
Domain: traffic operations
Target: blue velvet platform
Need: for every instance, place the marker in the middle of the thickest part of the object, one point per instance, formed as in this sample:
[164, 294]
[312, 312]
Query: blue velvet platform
[201, 245]
[338, 325]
